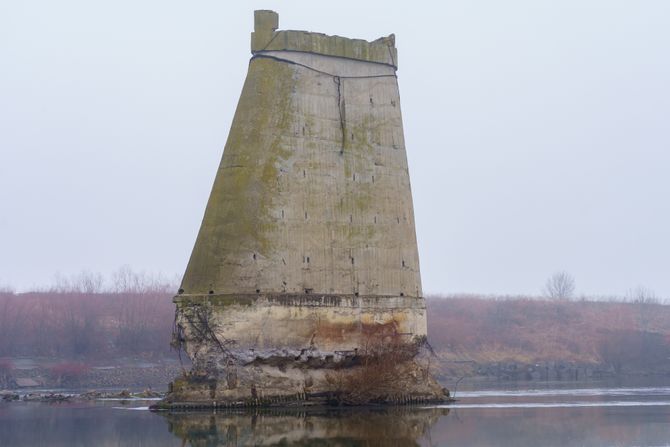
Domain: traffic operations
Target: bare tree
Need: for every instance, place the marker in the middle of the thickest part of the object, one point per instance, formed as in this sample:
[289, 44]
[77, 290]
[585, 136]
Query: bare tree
[642, 295]
[645, 304]
[62, 284]
[85, 282]
[125, 280]
[13, 317]
[560, 286]
[6, 370]
[88, 282]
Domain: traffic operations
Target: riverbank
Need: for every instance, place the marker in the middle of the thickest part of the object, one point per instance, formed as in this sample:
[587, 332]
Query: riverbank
[114, 374]
[63, 396]
[537, 339]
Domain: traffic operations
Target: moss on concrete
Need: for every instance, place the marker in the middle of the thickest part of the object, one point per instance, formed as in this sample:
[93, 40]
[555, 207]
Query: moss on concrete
[238, 218]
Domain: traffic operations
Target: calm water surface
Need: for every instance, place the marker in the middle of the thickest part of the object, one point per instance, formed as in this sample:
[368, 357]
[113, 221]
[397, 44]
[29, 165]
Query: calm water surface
[547, 417]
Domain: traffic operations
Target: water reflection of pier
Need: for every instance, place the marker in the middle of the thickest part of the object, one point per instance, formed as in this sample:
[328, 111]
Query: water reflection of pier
[398, 426]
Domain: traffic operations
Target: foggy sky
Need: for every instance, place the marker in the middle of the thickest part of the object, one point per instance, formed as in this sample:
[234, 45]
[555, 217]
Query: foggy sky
[537, 133]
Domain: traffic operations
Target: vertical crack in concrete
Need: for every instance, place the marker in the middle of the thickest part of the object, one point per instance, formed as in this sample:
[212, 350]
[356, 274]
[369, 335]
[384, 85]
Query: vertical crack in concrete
[340, 109]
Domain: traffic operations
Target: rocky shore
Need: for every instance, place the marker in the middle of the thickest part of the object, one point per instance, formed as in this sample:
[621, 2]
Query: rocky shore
[50, 396]
[449, 371]
[133, 374]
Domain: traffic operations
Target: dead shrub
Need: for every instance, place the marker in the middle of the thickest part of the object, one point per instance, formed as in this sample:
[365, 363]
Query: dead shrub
[68, 373]
[6, 370]
[381, 372]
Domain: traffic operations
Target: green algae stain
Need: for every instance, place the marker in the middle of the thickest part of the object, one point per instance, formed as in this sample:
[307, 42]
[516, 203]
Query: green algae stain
[238, 218]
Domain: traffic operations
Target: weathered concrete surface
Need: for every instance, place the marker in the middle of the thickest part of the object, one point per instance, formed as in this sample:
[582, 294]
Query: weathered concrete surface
[266, 38]
[299, 325]
[307, 255]
[313, 190]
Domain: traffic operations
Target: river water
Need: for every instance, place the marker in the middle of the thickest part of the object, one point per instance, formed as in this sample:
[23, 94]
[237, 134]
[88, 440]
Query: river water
[637, 416]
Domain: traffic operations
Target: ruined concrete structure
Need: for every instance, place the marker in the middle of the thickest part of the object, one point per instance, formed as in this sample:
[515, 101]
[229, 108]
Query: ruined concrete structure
[306, 263]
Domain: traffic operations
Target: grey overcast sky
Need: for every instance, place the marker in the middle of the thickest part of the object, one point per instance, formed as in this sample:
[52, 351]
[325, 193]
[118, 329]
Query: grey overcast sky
[537, 133]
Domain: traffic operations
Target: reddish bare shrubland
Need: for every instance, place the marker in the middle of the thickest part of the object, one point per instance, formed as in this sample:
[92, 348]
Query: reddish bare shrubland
[85, 325]
[68, 372]
[6, 370]
[530, 330]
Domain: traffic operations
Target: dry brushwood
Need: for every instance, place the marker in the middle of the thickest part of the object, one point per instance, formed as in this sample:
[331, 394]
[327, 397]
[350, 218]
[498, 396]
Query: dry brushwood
[380, 375]
[203, 330]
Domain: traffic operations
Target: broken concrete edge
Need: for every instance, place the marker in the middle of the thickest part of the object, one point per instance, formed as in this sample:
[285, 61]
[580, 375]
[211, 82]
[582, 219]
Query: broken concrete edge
[300, 401]
[304, 331]
[370, 321]
[391, 377]
[309, 358]
[265, 37]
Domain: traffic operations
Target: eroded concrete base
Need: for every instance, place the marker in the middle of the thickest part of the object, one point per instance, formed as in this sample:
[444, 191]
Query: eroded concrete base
[264, 350]
[267, 386]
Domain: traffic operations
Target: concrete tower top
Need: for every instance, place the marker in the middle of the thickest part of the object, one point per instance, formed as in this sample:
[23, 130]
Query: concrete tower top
[312, 195]
[265, 37]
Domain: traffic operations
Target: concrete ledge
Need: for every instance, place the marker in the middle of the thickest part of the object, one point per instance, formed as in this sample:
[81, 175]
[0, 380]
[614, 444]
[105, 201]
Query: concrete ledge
[304, 300]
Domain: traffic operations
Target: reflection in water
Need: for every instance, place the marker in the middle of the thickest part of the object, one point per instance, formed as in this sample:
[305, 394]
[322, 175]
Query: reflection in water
[550, 418]
[67, 424]
[371, 427]
[554, 427]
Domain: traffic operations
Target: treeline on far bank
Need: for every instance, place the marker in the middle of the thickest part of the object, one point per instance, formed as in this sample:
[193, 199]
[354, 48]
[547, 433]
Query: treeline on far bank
[466, 332]
[524, 336]
[85, 326]
[89, 317]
